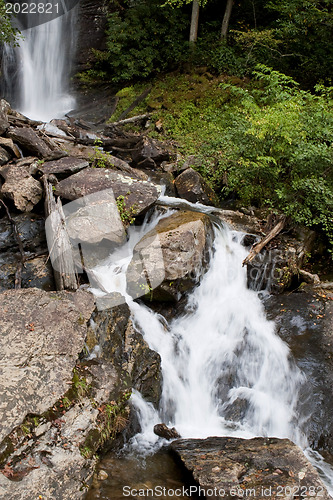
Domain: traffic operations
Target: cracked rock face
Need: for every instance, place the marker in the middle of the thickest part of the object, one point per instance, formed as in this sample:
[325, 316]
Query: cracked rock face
[41, 335]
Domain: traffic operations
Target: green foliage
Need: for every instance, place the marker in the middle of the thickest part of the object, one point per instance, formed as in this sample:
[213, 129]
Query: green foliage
[127, 215]
[8, 34]
[264, 143]
[142, 39]
[305, 31]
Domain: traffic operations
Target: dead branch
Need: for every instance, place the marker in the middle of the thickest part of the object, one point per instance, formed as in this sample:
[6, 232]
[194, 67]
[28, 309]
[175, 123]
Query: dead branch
[136, 101]
[263, 242]
[133, 119]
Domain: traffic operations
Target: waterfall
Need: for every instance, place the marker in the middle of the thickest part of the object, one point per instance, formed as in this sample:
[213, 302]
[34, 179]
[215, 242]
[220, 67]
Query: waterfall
[225, 370]
[36, 73]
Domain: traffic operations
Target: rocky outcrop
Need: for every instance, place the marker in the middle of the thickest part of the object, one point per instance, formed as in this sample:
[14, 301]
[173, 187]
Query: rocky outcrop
[252, 468]
[192, 187]
[137, 196]
[171, 259]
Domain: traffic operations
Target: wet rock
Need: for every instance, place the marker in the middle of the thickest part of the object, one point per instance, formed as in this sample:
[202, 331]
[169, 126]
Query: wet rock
[240, 222]
[117, 164]
[277, 266]
[259, 468]
[305, 322]
[21, 187]
[138, 195]
[163, 179]
[4, 156]
[76, 150]
[171, 259]
[64, 166]
[30, 142]
[191, 186]
[122, 345]
[36, 273]
[30, 227]
[41, 336]
[102, 475]
[165, 432]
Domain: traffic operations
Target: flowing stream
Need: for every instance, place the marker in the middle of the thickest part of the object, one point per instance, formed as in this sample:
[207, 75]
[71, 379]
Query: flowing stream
[36, 73]
[225, 370]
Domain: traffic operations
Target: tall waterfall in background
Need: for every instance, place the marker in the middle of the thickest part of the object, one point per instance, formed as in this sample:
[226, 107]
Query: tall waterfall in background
[36, 74]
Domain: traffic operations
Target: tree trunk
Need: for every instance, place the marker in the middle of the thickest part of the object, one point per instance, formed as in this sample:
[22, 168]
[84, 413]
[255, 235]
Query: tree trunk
[226, 19]
[194, 22]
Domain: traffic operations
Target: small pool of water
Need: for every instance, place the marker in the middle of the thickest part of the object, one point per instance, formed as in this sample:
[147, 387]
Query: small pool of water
[128, 475]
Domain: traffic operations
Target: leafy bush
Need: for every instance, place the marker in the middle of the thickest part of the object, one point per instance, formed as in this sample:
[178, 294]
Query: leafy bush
[143, 39]
[265, 142]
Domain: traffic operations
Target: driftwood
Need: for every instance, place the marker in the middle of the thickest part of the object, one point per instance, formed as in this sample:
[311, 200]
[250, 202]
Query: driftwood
[134, 104]
[263, 242]
[20, 265]
[133, 119]
[60, 248]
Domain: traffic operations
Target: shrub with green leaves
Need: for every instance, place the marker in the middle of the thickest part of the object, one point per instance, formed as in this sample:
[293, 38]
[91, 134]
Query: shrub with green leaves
[145, 38]
[265, 142]
[8, 34]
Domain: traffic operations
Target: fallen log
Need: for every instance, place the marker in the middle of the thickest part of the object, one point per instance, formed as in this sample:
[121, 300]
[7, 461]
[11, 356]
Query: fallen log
[257, 247]
[136, 101]
[60, 248]
[133, 119]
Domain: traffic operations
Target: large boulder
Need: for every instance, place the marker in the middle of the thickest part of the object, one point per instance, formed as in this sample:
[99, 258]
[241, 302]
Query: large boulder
[41, 337]
[169, 260]
[42, 427]
[21, 187]
[191, 186]
[31, 143]
[135, 195]
[259, 468]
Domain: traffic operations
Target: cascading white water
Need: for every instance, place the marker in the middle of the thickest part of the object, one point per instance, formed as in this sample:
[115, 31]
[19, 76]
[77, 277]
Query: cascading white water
[225, 371]
[43, 66]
